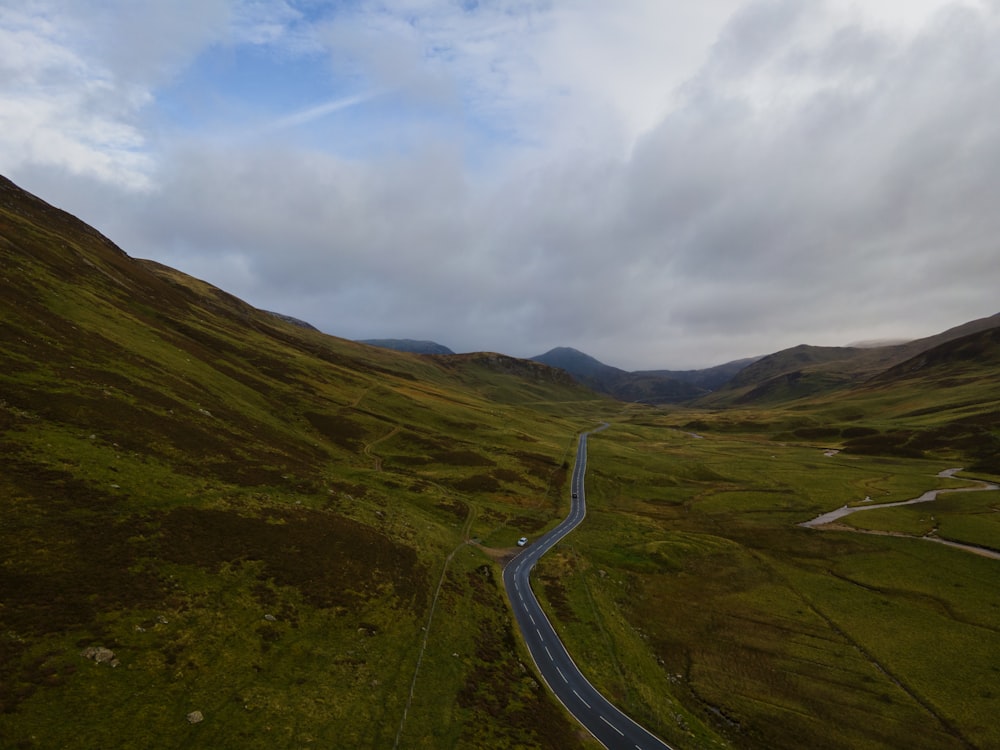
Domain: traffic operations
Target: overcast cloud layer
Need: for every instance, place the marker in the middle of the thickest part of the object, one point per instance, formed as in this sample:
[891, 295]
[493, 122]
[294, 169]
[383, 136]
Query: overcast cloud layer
[659, 183]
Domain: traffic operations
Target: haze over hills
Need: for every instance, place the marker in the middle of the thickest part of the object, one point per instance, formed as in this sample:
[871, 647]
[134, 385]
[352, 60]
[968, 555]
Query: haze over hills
[222, 528]
[804, 371]
[649, 386]
[790, 374]
[958, 365]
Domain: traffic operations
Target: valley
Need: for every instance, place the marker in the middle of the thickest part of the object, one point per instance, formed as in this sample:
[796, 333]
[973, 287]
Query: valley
[706, 611]
[223, 529]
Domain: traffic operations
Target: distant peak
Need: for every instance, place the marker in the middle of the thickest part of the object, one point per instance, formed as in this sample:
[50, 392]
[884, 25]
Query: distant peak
[565, 352]
[408, 345]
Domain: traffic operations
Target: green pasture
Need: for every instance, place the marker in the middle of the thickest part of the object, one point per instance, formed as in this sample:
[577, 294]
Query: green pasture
[707, 611]
[301, 537]
[258, 535]
[966, 517]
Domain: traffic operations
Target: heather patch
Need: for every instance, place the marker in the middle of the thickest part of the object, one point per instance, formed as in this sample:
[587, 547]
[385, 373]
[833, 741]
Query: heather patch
[333, 561]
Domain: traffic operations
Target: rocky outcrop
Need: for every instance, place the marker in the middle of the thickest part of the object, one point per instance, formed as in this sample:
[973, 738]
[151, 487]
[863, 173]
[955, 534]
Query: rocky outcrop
[100, 655]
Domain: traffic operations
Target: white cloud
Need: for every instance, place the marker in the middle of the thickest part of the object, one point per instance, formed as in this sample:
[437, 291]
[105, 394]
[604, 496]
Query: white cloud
[659, 184]
[58, 109]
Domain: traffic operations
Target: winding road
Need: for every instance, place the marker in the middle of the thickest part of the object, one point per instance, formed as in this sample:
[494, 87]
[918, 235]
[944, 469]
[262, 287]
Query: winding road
[610, 727]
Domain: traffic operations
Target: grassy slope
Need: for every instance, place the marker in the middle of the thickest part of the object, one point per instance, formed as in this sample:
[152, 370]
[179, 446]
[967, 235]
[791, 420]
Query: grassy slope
[711, 615]
[807, 371]
[707, 611]
[254, 517]
[944, 402]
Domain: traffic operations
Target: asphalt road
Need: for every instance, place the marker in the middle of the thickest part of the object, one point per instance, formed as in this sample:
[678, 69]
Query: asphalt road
[611, 727]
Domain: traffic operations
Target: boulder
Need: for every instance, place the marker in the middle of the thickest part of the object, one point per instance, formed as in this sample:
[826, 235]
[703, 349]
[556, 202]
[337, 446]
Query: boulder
[99, 654]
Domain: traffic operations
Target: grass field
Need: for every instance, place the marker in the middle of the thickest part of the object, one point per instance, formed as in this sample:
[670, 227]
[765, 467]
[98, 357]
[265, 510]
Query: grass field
[707, 612]
[289, 608]
[220, 530]
[966, 517]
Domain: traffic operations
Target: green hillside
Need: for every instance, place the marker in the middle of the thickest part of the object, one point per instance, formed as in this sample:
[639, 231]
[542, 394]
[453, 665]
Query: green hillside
[804, 371]
[706, 608]
[254, 517]
[942, 402]
[224, 529]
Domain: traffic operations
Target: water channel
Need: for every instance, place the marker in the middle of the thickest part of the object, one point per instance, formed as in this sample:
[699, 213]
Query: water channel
[825, 520]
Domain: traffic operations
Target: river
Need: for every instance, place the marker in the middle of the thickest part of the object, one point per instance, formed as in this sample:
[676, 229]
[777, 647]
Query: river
[828, 519]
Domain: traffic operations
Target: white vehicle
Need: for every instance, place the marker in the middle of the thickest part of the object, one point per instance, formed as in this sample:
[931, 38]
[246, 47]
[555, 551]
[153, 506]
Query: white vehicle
[522, 541]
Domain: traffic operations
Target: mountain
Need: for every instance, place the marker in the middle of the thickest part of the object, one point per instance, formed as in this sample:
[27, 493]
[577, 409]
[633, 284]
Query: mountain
[293, 321]
[943, 401]
[804, 371]
[794, 373]
[583, 367]
[799, 372]
[248, 518]
[408, 345]
[646, 386]
[917, 346]
[220, 528]
[966, 358]
[708, 379]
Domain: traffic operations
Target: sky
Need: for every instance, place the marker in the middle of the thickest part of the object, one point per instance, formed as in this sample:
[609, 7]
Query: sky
[662, 184]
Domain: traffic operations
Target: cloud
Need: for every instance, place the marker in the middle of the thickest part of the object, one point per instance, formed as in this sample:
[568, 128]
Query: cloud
[315, 112]
[79, 79]
[842, 208]
[145, 43]
[58, 108]
[658, 184]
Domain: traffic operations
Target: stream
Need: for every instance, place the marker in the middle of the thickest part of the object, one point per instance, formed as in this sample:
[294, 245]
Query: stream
[835, 515]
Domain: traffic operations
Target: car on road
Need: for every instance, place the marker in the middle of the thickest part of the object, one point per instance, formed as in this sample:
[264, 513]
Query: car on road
[522, 541]
[574, 496]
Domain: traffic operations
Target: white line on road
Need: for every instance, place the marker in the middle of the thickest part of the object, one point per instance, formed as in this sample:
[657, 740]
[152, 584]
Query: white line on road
[522, 571]
[613, 726]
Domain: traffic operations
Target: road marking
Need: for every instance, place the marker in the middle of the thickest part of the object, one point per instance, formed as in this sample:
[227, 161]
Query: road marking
[613, 726]
[528, 558]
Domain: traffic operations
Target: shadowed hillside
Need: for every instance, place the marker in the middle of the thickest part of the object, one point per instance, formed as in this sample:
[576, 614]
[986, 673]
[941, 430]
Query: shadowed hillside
[409, 345]
[222, 528]
[208, 507]
[945, 399]
[804, 371]
[644, 386]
